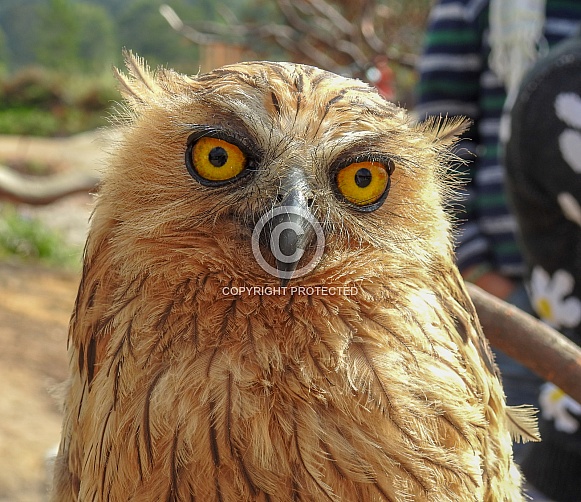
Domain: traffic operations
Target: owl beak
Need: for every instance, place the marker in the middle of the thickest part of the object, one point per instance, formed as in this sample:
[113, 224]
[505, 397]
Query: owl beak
[290, 231]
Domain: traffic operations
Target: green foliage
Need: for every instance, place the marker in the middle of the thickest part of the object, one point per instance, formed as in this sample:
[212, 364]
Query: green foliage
[87, 35]
[21, 25]
[29, 121]
[140, 21]
[75, 37]
[97, 47]
[59, 39]
[39, 102]
[65, 35]
[29, 239]
[33, 86]
[3, 53]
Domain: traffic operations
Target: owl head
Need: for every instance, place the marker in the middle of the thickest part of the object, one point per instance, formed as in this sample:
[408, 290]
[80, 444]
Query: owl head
[275, 171]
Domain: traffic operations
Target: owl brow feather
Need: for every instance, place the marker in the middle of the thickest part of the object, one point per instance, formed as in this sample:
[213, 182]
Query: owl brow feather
[279, 71]
[316, 81]
[328, 105]
[275, 102]
[277, 150]
[298, 106]
[222, 77]
[299, 82]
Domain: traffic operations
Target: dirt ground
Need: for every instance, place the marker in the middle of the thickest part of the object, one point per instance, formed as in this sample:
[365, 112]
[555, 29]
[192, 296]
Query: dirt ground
[35, 305]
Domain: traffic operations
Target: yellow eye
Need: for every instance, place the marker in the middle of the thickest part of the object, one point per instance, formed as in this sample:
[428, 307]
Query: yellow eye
[364, 183]
[216, 160]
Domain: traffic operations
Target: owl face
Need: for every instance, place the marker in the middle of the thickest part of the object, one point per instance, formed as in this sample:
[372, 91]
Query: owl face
[208, 157]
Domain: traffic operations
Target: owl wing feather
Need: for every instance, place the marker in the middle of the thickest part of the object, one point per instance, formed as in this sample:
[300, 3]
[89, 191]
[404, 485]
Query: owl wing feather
[521, 420]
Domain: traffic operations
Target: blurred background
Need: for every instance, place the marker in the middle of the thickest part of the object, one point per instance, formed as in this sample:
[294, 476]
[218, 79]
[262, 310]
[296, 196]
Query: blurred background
[56, 92]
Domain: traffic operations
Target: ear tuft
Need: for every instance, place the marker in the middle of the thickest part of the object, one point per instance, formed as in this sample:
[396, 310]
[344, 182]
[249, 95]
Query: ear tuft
[445, 131]
[139, 84]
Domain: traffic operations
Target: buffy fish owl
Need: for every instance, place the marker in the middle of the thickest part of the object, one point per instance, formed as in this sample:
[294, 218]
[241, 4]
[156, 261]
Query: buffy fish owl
[269, 308]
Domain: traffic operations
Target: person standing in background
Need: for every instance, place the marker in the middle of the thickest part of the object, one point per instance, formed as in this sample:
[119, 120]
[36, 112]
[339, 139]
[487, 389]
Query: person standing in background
[475, 54]
[542, 156]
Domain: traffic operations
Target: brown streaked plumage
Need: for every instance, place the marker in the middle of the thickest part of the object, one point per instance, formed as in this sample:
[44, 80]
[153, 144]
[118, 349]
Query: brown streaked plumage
[184, 387]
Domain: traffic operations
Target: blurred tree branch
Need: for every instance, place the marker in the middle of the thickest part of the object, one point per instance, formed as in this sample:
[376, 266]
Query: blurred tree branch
[343, 36]
[35, 190]
[80, 157]
[537, 346]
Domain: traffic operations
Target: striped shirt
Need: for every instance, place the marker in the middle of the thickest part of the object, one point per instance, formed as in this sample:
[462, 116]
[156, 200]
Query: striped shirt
[455, 79]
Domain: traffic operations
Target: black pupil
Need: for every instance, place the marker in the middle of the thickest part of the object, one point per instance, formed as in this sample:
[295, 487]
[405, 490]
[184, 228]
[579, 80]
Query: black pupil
[218, 156]
[363, 177]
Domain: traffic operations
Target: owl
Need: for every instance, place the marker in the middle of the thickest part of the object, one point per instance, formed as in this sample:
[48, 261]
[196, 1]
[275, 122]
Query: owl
[269, 308]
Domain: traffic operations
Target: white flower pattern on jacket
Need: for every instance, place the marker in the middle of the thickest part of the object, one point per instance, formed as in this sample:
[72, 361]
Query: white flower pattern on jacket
[557, 406]
[551, 300]
[550, 297]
